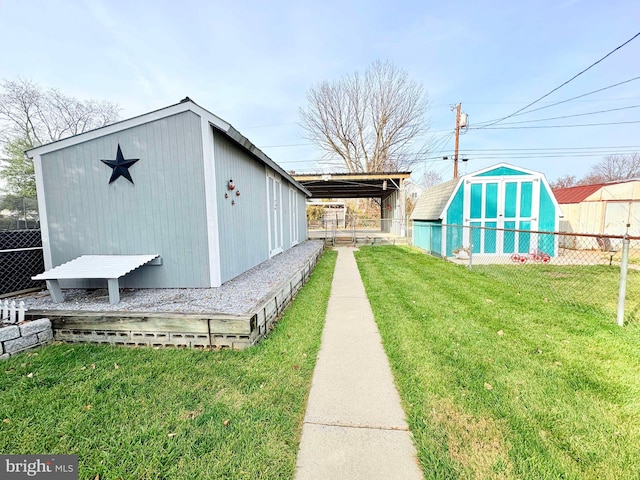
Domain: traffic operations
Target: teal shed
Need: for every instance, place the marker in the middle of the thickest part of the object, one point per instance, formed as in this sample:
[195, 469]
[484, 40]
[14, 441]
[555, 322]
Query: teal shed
[492, 211]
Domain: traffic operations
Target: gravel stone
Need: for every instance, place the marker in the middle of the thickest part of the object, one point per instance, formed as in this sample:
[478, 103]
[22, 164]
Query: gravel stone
[237, 296]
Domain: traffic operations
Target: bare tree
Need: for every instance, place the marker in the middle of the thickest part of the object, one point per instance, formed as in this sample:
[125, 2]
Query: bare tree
[430, 179]
[614, 167]
[374, 122]
[37, 116]
[565, 182]
[31, 116]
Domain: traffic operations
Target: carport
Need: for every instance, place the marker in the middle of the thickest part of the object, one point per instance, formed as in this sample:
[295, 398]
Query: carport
[387, 187]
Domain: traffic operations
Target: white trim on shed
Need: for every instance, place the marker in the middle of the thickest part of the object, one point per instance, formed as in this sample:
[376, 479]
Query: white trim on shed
[208, 122]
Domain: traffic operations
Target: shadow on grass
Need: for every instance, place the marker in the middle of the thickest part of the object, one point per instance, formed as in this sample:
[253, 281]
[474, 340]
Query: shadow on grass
[144, 413]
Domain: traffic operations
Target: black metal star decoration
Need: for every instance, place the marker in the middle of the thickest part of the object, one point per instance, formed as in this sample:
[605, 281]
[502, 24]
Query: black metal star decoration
[120, 166]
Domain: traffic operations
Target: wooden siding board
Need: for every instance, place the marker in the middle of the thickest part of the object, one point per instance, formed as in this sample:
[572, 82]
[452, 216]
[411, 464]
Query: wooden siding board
[547, 221]
[303, 232]
[304, 227]
[243, 226]
[428, 236]
[455, 216]
[161, 213]
[150, 322]
[286, 216]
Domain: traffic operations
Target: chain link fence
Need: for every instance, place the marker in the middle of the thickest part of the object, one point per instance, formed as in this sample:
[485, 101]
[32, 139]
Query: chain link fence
[353, 222]
[20, 259]
[595, 273]
[358, 229]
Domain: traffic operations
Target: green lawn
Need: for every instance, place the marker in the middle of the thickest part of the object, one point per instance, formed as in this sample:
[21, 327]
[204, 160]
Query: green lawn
[144, 413]
[590, 288]
[499, 384]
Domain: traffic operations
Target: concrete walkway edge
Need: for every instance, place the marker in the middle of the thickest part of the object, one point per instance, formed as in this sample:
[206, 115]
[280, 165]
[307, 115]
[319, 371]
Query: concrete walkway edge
[354, 426]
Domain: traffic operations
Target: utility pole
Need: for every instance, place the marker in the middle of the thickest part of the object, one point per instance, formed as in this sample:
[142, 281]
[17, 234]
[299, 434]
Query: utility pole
[455, 155]
[462, 121]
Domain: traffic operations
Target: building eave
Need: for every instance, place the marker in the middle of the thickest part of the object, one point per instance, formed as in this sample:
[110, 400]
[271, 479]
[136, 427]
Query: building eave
[184, 106]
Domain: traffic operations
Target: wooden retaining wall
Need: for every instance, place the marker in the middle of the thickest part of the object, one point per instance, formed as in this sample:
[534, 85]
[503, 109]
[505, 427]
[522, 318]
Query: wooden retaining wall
[176, 330]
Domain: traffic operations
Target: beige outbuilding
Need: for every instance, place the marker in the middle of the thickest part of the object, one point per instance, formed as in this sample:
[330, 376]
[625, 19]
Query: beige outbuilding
[611, 208]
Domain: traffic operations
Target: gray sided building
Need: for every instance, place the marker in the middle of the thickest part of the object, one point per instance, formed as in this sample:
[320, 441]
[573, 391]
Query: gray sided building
[179, 182]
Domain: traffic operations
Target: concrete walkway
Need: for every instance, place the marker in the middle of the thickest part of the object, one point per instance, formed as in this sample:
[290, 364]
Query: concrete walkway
[354, 427]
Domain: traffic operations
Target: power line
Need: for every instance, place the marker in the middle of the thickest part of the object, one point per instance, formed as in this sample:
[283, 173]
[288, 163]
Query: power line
[533, 152]
[556, 126]
[520, 103]
[555, 148]
[481, 123]
[567, 100]
[306, 144]
[442, 143]
[519, 155]
[546, 155]
[570, 80]
[574, 115]
[479, 103]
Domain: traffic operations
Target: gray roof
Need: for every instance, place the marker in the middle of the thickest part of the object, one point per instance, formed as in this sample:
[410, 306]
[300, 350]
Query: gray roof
[183, 105]
[433, 200]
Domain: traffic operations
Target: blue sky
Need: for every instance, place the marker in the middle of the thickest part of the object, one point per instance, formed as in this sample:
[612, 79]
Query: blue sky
[251, 63]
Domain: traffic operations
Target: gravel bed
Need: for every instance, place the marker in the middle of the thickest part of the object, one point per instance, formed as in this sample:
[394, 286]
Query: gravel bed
[237, 296]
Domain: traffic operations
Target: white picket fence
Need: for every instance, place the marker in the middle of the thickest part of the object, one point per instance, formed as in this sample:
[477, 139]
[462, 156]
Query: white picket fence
[12, 313]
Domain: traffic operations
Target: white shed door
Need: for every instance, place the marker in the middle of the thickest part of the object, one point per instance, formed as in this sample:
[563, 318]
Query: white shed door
[274, 204]
[497, 204]
[293, 216]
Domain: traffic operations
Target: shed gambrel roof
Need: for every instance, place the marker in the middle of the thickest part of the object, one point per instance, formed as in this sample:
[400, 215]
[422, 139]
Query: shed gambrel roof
[184, 105]
[431, 203]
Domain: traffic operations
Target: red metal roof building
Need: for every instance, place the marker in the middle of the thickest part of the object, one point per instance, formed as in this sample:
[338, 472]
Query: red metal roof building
[602, 208]
[575, 194]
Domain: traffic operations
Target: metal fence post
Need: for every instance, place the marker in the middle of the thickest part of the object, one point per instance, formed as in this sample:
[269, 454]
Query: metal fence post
[431, 235]
[622, 292]
[470, 255]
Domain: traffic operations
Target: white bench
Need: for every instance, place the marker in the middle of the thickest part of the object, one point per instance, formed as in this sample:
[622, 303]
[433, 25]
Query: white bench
[107, 267]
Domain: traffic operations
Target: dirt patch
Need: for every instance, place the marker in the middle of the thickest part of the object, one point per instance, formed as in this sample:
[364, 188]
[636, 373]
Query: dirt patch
[477, 444]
